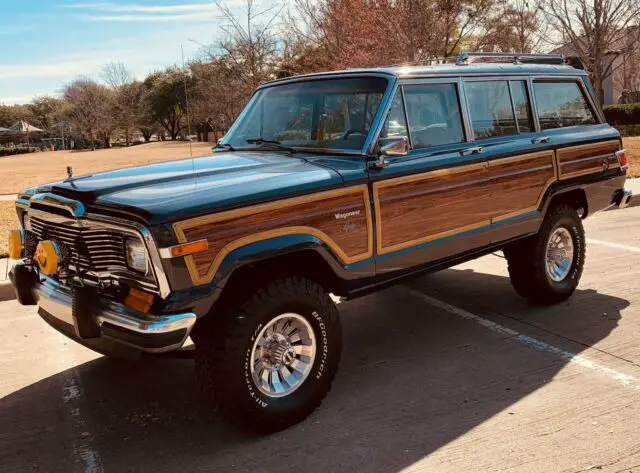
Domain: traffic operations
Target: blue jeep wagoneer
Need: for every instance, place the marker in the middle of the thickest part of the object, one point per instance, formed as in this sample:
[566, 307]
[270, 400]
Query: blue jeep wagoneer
[340, 183]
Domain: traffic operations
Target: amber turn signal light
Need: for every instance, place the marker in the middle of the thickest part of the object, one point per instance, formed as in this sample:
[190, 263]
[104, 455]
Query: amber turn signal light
[16, 244]
[139, 300]
[189, 248]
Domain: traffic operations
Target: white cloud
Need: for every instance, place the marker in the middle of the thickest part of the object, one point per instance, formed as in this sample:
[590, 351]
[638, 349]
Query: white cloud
[134, 8]
[147, 18]
[54, 69]
[112, 12]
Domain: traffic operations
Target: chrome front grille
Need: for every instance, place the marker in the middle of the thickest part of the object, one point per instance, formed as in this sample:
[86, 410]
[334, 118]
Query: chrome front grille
[94, 248]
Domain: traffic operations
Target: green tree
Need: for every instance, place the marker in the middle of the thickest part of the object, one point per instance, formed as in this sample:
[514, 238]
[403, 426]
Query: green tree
[167, 100]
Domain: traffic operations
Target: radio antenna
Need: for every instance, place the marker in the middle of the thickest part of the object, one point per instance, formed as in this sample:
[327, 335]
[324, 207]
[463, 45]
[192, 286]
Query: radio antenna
[186, 99]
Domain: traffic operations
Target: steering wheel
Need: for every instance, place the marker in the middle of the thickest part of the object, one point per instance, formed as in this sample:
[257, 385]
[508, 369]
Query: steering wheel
[354, 130]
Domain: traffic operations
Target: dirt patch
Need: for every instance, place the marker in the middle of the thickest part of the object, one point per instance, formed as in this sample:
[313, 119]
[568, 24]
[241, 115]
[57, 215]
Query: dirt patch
[632, 145]
[8, 221]
[27, 170]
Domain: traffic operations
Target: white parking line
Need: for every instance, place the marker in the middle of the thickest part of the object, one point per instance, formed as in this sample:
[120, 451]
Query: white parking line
[623, 379]
[633, 249]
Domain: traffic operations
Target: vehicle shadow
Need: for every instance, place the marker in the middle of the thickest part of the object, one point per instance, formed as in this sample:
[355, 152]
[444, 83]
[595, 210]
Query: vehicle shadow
[413, 378]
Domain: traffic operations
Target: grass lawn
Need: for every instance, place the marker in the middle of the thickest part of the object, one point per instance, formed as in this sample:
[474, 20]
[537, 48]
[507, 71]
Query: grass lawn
[26, 170]
[632, 145]
[8, 221]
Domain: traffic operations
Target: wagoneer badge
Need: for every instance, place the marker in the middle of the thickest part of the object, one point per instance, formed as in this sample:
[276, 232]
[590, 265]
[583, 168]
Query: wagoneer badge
[345, 215]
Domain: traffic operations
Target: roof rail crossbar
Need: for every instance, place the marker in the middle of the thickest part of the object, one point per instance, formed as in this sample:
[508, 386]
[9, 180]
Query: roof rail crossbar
[530, 58]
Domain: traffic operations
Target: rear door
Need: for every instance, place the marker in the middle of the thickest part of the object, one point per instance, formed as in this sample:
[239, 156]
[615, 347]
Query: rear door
[520, 164]
[432, 203]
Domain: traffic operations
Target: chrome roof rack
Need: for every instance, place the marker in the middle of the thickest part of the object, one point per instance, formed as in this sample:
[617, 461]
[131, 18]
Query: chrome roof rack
[515, 58]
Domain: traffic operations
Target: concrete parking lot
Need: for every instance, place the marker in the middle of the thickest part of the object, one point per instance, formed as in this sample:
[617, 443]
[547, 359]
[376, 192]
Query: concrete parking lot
[449, 372]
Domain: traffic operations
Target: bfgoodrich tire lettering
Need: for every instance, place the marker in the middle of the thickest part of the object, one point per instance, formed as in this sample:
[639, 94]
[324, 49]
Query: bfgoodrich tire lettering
[528, 264]
[224, 348]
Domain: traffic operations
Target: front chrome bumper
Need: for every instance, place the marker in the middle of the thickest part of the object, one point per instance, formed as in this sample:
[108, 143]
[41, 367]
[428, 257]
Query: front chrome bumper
[150, 333]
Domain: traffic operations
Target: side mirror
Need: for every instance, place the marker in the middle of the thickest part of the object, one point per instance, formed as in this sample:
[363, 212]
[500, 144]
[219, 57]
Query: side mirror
[395, 146]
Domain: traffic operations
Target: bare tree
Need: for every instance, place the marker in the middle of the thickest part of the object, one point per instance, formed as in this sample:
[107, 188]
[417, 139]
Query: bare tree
[90, 110]
[598, 31]
[128, 98]
[116, 75]
[390, 31]
[514, 26]
[251, 40]
[217, 96]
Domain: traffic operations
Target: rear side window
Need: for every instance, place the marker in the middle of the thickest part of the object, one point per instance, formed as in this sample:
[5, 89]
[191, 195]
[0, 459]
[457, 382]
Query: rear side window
[561, 104]
[490, 109]
[434, 115]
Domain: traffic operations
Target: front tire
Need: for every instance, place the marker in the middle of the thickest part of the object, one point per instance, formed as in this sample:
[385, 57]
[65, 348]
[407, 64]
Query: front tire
[270, 364]
[546, 268]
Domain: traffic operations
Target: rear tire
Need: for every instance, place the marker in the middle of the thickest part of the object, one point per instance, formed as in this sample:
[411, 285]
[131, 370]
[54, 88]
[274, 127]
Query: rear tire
[256, 364]
[546, 268]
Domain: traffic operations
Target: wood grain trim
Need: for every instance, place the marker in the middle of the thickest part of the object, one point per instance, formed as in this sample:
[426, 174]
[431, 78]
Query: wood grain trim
[430, 175]
[182, 227]
[550, 181]
[377, 186]
[587, 159]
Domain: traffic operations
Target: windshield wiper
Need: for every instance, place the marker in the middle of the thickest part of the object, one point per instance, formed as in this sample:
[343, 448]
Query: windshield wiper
[226, 146]
[270, 143]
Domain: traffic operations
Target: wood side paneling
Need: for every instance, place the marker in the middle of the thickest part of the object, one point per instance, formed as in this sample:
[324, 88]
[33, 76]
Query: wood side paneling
[414, 209]
[350, 236]
[580, 160]
[518, 184]
[420, 208]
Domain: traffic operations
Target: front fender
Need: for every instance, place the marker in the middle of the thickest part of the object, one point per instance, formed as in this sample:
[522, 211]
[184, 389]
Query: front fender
[272, 247]
[201, 298]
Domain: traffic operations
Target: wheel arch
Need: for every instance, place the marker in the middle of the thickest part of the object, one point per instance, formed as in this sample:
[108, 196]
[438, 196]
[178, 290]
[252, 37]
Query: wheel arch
[249, 267]
[575, 197]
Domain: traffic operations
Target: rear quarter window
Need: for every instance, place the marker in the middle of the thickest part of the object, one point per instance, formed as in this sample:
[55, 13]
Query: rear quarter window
[561, 104]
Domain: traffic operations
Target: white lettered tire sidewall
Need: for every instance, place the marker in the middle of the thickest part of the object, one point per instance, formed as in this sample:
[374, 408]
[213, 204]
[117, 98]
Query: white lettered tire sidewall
[305, 392]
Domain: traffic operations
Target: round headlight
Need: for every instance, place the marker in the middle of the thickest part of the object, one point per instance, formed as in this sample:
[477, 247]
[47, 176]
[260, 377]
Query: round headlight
[136, 255]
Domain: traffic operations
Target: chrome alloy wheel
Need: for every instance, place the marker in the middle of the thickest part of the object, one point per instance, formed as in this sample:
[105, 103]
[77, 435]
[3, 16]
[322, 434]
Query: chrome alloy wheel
[283, 355]
[559, 254]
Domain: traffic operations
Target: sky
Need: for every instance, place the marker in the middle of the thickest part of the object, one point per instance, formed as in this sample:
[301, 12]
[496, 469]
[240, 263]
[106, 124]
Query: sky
[45, 44]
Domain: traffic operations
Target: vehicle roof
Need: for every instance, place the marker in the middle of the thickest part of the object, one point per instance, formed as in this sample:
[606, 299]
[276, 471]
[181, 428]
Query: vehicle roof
[439, 70]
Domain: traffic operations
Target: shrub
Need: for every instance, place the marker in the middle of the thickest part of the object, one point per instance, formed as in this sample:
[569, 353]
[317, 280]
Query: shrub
[16, 150]
[622, 114]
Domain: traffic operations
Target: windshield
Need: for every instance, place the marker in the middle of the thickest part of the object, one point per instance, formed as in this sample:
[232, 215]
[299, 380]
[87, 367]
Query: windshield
[333, 113]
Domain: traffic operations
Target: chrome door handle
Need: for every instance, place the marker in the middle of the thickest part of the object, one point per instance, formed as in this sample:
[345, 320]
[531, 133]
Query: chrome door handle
[542, 139]
[474, 150]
